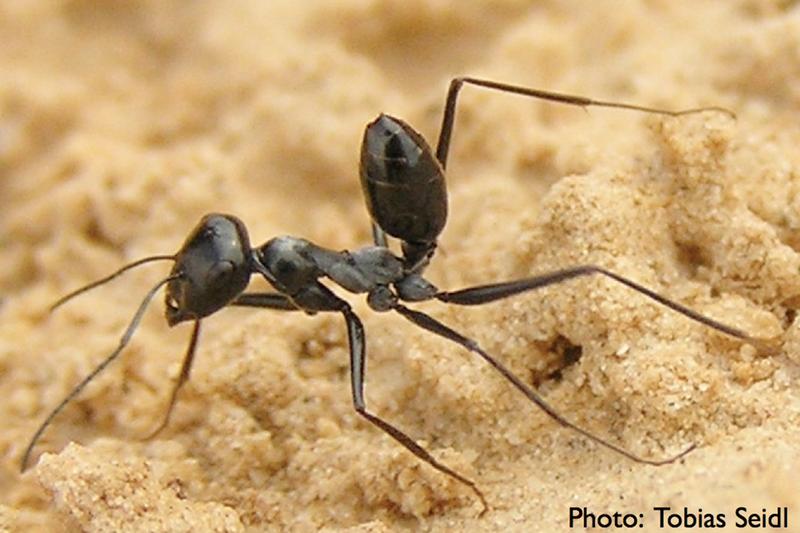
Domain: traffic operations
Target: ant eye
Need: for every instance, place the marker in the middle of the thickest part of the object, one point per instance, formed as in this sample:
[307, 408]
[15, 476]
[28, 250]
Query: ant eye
[220, 273]
[403, 182]
[172, 303]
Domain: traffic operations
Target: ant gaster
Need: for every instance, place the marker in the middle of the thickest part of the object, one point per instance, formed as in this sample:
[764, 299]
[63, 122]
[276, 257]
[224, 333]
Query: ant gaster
[404, 185]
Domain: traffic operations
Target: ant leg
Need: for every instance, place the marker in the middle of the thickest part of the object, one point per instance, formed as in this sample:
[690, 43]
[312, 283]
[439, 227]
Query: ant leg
[126, 337]
[449, 118]
[182, 378]
[429, 323]
[496, 291]
[355, 334]
[262, 300]
[266, 300]
[379, 236]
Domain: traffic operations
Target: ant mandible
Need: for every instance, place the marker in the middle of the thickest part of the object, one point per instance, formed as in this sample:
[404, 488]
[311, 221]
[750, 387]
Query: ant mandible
[404, 186]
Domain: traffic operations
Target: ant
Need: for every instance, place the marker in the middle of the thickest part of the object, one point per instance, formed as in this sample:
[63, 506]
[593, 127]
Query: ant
[404, 186]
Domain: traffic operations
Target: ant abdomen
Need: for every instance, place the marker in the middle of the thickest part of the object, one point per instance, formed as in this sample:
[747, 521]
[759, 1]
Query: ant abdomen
[403, 182]
[404, 187]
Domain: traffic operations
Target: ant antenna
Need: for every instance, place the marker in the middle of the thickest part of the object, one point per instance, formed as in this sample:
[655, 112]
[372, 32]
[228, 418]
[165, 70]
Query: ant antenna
[126, 337]
[403, 182]
[67, 297]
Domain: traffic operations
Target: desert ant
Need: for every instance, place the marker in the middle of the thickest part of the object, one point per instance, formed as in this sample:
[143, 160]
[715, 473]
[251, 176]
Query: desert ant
[404, 186]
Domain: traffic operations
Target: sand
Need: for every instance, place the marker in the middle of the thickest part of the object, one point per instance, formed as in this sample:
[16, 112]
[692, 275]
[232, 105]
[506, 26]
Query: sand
[122, 123]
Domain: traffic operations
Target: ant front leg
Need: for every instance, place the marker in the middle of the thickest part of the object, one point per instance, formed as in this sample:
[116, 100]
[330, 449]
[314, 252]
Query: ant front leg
[265, 300]
[355, 334]
[183, 377]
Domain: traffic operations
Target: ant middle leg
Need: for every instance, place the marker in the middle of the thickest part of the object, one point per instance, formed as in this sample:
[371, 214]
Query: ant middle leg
[356, 340]
[482, 294]
[355, 334]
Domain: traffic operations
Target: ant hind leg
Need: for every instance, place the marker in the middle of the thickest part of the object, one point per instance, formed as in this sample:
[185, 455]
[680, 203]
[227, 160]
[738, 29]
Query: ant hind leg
[434, 326]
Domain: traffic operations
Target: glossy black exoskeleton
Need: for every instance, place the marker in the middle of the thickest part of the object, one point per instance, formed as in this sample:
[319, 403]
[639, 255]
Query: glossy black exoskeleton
[404, 186]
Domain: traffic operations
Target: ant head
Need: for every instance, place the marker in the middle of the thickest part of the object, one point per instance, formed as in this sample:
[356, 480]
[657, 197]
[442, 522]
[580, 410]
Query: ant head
[212, 267]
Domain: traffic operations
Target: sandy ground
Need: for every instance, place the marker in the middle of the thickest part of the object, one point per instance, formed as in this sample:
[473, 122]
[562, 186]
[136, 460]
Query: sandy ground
[123, 122]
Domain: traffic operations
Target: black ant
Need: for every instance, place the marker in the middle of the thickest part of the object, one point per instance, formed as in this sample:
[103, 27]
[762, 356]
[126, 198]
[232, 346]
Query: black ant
[404, 186]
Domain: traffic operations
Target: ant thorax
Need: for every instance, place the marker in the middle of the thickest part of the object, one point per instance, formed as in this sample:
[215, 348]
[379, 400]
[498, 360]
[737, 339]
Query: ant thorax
[403, 182]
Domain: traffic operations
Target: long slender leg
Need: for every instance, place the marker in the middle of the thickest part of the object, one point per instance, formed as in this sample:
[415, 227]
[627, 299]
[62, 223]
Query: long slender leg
[186, 368]
[497, 291]
[449, 118]
[126, 337]
[434, 326]
[265, 300]
[268, 300]
[355, 334]
[378, 236]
